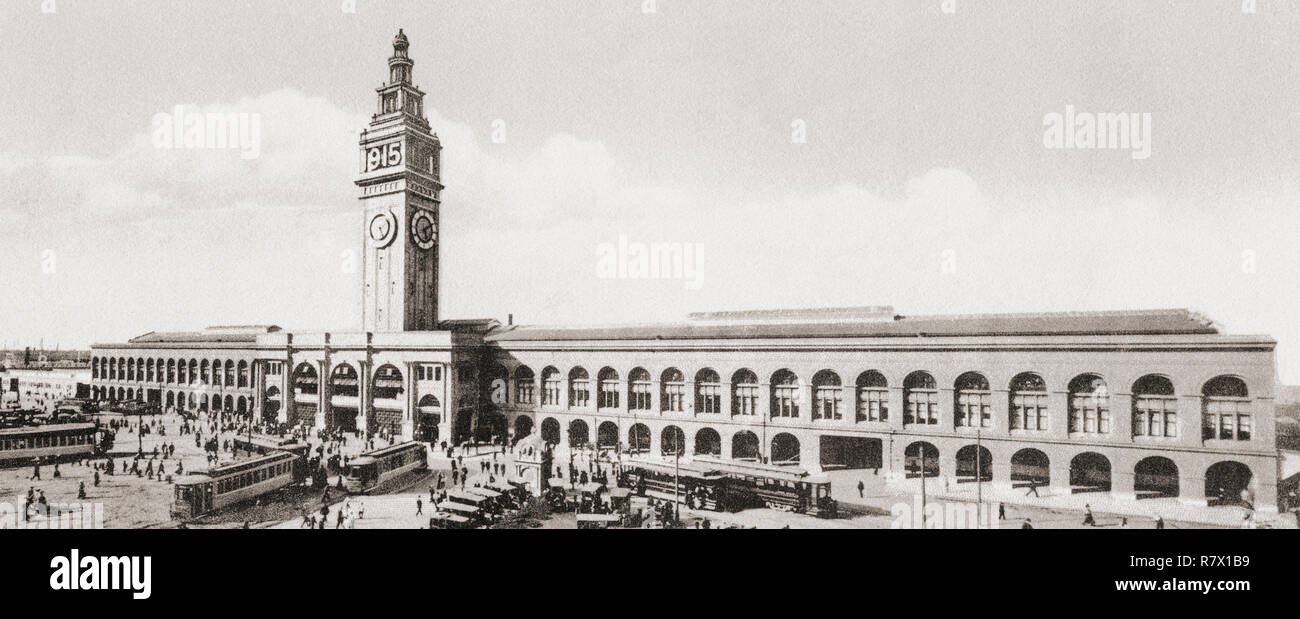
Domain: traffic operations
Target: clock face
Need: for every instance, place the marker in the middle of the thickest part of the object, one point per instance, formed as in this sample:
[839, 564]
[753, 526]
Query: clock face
[423, 231]
[382, 227]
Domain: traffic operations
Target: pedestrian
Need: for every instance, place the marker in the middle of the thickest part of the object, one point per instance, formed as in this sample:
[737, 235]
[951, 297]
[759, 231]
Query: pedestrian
[861, 489]
[36, 471]
[1027, 524]
[419, 506]
[1123, 523]
[96, 479]
[1088, 520]
[1033, 488]
[1002, 511]
[1160, 522]
[81, 490]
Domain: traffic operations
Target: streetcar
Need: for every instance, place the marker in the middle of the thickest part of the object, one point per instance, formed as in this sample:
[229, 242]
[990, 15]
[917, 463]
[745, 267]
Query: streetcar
[385, 468]
[202, 492]
[750, 484]
[698, 487]
[52, 443]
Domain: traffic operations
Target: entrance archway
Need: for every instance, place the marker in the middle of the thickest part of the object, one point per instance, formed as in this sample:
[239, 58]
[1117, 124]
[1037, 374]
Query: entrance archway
[607, 435]
[672, 441]
[921, 455]
[523, 427]
[708, 442]
[1154, 477]
[1228, 483]
[551, 431]
[638, 438]
[1030, 467]
[744, 446]
[971, 457]
[579, 433]
[785, 449]
[1090, 472]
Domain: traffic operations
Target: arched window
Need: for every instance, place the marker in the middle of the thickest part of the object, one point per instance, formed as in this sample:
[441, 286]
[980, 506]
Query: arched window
[203, 372]
[1028, 409]
[1089, 405]
[1225, 410]
[607, 390]
[305, 380]
[579, 388]
[873, 397]
[1155, 409]
[243, 373]
[182, 372]
[343, 381]
[551, 386]
[193, 374]
[230, 373]
[639, 394]
[708, 392]
[217, 376]
[972, 401]
[921, 397]
[744, 393]
[171, 371]
[387, 383]
[785, 394]
[828, 401]
[672, 391]
[524, 385]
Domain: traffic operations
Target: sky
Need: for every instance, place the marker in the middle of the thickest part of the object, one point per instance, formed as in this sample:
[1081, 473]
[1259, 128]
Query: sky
[810, 154]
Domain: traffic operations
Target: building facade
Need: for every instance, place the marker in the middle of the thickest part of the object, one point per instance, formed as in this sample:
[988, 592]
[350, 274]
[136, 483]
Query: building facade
[1146, 403]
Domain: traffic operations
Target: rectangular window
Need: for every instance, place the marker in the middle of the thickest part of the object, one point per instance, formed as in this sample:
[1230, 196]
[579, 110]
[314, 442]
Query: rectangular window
[785, 401]
[873, 404]
[708, 398]
[608, 395]
[524, 390]
[827, 403]
[674, 395]
[922, 407]
[745, 399]
[974, 408]
[639, 398]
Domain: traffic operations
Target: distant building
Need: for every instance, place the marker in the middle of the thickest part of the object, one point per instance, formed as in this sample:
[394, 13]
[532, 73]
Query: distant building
[43, 388]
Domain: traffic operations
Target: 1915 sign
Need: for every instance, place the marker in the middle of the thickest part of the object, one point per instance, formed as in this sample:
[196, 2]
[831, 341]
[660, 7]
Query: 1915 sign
[383, 156]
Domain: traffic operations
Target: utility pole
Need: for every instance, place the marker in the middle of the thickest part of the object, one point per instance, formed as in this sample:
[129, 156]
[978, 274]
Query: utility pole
[921, 448]
[677, 464]
[979, 478]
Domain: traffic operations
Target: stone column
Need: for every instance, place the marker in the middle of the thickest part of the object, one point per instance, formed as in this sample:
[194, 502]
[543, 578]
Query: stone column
[1058, 415]
[1191, 483]
[1059, 471]
[365, 403]
[897, 406]
[1122, 482]
[1121, 421]
[286, 391]
[323, 393]
[409, 400]
[1189, 423]
[1001, 473]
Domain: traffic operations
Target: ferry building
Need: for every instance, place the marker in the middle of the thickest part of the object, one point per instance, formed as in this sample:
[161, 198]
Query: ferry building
[1134, 403]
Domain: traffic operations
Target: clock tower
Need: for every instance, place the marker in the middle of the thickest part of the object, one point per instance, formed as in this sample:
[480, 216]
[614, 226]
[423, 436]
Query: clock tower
[400, 197]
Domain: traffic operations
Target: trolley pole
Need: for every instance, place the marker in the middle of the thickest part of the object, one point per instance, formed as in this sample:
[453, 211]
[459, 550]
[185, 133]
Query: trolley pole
[979, 479]
[922, 450]
[677, 489]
